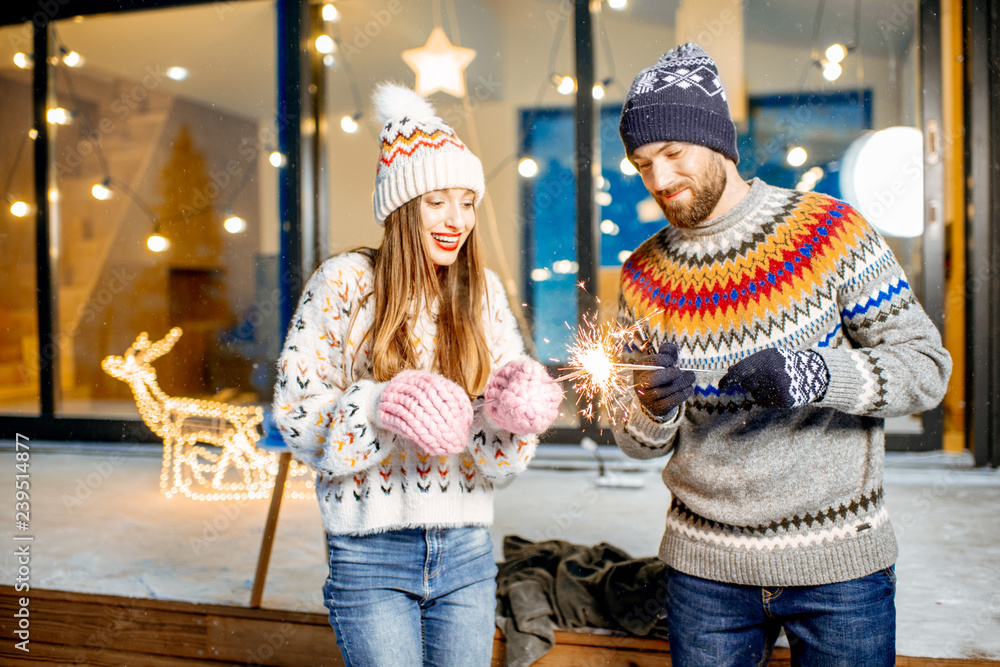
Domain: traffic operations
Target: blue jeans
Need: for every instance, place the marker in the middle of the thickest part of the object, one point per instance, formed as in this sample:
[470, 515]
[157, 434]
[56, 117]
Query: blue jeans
[405, 598]
[847, 624]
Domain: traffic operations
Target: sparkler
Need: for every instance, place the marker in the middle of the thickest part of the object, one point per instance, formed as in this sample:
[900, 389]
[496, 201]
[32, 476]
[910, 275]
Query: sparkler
[595, 374]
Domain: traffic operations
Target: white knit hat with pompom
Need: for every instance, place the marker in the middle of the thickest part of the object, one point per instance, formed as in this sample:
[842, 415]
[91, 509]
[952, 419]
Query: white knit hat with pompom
[420, 152]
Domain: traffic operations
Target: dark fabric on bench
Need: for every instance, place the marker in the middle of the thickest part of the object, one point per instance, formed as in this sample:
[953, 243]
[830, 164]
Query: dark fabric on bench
[550, 585]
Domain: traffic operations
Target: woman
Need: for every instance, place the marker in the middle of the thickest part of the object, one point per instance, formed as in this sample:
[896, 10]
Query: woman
[404, 383]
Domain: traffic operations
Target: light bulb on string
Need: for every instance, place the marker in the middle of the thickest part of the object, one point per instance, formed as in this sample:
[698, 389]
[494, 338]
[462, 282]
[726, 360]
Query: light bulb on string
[101, 190]
[527, 167]
[157, 242]
[325, 44]
[59, 116]
[19, 208]
[796, 156]
[831, 70]
[598, 92]
[565, 85]
[234, 224]
[277, 159]
[836, 53]
[349, 124]
[23, 60]
[72, 59]
[330, 13]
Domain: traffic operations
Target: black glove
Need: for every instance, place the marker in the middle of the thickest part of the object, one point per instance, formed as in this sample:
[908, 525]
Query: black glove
[779, 378]
[662, 389]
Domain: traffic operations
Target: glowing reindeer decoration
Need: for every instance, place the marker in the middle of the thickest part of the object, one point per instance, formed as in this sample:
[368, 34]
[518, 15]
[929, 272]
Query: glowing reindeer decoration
[209, 447]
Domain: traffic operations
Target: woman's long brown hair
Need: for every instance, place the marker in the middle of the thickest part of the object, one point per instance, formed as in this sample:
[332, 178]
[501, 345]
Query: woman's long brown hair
[406, 280]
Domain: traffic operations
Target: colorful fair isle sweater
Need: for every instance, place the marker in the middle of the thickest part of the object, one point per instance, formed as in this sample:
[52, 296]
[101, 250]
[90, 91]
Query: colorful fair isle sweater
[779, 497]
[367, 478]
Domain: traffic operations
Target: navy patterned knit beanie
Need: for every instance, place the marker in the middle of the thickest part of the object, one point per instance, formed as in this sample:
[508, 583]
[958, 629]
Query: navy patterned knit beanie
[680, 98]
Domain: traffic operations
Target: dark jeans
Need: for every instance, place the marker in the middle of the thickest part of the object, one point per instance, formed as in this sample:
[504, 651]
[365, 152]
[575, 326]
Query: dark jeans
[846, 624]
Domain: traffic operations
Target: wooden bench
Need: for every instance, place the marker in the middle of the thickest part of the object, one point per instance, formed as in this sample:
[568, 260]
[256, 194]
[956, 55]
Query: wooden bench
[107, 630]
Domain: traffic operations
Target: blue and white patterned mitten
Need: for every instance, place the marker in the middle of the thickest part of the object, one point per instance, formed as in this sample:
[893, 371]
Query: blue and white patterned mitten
[779, 378]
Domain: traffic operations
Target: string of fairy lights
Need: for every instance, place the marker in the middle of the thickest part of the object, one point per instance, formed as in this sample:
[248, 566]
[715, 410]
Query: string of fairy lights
[110, 184]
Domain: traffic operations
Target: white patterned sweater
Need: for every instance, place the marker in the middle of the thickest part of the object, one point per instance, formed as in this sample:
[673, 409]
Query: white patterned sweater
[367, 478]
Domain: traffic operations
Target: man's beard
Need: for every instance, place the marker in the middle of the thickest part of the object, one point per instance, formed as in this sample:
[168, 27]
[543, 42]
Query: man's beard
[704, 197]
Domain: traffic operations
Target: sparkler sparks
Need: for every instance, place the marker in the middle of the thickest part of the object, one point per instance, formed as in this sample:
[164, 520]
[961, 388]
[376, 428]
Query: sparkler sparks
[592, 367]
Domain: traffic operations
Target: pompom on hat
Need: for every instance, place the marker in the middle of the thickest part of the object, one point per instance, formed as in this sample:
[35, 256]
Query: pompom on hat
[680, 98]
[420, 152]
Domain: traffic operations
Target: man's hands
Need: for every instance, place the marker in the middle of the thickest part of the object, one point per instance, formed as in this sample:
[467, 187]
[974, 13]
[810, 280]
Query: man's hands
[662, 389]
[779, 378]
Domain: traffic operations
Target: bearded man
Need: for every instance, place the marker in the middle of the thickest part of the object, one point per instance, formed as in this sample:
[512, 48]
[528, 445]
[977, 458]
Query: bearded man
[803, 336]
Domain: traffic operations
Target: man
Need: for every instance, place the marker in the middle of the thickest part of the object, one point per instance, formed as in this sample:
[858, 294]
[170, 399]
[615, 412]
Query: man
[804, 335]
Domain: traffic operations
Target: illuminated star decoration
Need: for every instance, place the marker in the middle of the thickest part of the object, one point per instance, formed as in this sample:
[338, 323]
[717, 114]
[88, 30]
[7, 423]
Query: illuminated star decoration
[439, 65]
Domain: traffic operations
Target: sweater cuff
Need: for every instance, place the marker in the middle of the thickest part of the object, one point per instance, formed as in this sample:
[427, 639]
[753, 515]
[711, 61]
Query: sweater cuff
[844, 391]
[373, 400]
[649, 431]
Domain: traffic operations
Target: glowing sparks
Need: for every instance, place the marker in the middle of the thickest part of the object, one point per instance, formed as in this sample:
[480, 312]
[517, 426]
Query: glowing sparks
[593, 368]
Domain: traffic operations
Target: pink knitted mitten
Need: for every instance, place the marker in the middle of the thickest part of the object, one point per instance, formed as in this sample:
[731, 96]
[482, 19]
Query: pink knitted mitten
[429, 410]
[521, 397]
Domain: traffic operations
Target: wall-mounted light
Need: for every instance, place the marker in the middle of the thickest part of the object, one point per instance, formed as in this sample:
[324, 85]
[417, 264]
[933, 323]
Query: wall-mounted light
[23, 60]
[177, 73]
[527, 167]
[598, 91]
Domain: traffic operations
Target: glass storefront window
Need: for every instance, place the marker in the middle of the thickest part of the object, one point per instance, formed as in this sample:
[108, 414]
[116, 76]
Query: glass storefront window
[803, 108]
[19, 386]
[519, 47]
[164, 200]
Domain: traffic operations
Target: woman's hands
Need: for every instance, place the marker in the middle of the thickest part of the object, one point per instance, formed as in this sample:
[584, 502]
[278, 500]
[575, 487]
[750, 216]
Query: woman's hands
[522, 398]
[429, 410]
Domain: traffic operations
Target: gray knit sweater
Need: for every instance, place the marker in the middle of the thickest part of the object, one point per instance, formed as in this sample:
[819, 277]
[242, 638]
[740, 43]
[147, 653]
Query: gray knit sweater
[779, 497]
